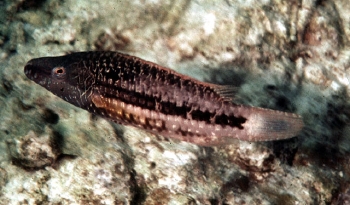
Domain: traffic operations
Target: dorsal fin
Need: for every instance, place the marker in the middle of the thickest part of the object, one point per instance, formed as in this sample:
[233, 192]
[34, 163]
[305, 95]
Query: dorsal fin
[227, 92]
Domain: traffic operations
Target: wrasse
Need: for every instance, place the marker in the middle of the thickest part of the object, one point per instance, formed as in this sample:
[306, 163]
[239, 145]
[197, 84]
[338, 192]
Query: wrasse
[131, 91]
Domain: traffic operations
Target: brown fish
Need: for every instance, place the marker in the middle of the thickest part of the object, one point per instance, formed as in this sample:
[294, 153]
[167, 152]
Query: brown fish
[131, 91]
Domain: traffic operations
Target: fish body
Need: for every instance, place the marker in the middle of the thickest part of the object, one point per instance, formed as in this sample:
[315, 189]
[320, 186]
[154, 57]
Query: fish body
[132, 91]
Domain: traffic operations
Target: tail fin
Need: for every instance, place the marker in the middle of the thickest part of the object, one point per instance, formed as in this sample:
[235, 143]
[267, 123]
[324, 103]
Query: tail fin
[266, 125]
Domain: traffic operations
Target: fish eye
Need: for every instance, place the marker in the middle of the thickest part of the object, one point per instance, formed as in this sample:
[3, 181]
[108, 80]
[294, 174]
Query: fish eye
[59, 72]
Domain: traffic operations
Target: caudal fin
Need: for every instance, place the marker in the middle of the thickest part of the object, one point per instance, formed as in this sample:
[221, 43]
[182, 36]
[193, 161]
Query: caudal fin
[266, 125]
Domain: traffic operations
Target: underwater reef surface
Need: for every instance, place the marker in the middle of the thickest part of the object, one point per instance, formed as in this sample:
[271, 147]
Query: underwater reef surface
[289, 56]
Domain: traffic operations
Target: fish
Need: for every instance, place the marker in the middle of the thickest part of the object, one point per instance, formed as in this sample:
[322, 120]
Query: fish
[131, 91]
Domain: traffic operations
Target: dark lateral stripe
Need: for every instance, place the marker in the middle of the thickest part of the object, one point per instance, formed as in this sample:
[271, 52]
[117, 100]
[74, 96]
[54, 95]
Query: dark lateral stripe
[168, 108]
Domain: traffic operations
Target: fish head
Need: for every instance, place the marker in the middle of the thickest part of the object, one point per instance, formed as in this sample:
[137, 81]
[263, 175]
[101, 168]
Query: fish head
[64, 76]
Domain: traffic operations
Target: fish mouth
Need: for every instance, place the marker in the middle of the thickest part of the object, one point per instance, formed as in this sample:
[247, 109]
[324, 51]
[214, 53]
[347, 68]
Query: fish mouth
[29, 70]
[40, 67]
[38, 71]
